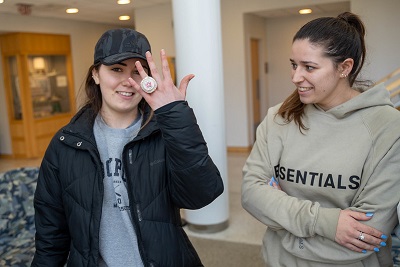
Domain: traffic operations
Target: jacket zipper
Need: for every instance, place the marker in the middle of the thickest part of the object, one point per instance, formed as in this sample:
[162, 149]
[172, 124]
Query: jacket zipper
[134, 208]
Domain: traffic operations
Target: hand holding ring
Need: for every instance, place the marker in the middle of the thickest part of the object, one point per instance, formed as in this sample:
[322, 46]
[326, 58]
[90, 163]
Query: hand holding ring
[148, 84]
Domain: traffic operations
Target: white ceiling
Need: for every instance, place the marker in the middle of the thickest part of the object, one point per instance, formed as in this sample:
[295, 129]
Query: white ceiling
[108, 11]
[103, 11]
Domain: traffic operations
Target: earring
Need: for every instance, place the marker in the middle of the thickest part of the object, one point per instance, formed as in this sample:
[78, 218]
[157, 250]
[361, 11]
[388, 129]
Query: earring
[342, 75]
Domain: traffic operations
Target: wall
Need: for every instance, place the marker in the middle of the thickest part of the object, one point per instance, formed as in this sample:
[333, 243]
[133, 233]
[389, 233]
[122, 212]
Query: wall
[255, 28]
[158, 29]
[381, 20]
[83, 36]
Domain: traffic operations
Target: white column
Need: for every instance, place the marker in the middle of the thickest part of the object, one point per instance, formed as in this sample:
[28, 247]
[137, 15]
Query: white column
[197, 28]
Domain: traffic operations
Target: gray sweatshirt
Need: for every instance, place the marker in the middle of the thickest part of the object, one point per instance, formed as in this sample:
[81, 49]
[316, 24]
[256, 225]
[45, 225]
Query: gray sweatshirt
[118, 241]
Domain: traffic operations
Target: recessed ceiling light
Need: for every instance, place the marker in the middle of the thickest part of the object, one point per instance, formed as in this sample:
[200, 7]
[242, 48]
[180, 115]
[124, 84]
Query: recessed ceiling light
[72, 10]
[123, 2]
[305, 11]
[124, 17]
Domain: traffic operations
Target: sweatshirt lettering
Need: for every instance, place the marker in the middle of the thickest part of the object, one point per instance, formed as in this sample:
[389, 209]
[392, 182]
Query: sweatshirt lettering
[113, 169]
[326, 180]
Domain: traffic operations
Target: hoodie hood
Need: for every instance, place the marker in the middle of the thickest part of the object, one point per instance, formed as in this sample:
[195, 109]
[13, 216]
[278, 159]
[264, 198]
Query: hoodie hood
[375, 96]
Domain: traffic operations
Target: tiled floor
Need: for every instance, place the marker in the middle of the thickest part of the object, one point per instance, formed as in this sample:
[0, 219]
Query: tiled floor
[242, 227]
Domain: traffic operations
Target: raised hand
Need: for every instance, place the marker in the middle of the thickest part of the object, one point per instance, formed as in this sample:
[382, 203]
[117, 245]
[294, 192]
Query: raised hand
[166, 91]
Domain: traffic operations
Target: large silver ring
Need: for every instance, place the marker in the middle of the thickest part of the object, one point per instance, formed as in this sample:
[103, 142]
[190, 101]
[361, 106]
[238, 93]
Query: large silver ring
[361, 236]
[148, 84]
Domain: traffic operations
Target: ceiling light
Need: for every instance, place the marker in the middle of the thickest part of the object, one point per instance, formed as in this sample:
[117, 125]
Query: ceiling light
[123, 2]
[305, 11]
[124, 17]
[72, 10]
[1, 1]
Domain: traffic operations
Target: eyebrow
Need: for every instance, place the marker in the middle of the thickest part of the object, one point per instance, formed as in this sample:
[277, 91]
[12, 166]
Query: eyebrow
[304, 62]
[144, 67]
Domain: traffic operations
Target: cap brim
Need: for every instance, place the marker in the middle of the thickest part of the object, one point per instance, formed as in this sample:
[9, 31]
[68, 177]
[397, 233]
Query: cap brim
[117, 58]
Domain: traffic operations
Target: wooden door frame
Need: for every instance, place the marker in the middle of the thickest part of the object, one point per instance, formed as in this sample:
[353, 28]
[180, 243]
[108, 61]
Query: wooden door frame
[255, 90]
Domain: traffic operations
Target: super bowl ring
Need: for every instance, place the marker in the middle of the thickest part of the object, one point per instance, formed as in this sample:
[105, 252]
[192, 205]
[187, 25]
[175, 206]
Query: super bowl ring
[148, 84]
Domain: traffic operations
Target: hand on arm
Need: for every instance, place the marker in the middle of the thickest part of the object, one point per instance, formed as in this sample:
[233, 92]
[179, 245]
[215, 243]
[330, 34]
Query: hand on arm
[350, 227]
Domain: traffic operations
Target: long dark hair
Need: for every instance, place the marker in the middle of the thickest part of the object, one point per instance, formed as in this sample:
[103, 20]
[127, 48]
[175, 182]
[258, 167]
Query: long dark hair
[340, 37]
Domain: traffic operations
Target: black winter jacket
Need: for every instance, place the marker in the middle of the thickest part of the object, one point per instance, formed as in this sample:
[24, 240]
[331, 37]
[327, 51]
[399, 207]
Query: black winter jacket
[167, 167]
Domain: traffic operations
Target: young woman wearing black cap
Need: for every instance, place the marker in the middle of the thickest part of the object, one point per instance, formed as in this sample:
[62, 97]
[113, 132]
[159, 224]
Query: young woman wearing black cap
[113, 180]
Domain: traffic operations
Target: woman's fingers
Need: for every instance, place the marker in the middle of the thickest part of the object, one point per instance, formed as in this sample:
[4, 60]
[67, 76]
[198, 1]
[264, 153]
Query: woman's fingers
[360, 216]
[141, 70]
[185, 83]
[153, 67]
[166, 91]
[357, 236]
[165, 66]
[372, 231]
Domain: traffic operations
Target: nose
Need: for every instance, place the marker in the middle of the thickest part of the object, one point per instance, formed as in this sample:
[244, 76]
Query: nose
[297, 75]
[126, 83]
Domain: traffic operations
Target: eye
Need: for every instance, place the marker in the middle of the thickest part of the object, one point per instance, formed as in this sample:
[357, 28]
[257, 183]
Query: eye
[116, 69]
[135, 73]
[294, 65]
[310, 68]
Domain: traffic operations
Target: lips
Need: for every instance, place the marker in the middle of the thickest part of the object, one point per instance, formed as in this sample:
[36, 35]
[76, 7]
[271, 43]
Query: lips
[125, 93]
[304, 89]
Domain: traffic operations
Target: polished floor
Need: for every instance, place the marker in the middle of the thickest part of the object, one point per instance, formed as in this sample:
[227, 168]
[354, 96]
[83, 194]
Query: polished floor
[242, 227]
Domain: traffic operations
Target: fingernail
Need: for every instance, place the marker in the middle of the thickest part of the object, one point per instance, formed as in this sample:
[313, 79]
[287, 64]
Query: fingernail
[376, 249]
[383, 236]
[383, 244]
[272, 181]
[369, 214]
[364, 251]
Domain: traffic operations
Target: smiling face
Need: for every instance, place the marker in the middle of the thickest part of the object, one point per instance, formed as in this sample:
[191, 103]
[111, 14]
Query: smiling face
[317, 78]
[120, 99]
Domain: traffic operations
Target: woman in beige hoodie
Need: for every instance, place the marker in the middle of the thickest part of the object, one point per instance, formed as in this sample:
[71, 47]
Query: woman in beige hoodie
[333, 148]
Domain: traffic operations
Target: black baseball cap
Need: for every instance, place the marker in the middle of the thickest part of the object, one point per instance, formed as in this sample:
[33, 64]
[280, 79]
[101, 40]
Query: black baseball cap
[117, 45]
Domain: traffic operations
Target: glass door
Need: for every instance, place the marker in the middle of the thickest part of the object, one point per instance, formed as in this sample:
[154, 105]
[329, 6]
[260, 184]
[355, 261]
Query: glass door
[48, 83]
[15, 88]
